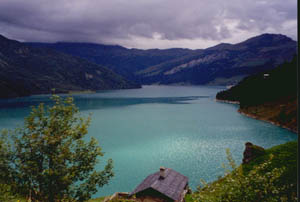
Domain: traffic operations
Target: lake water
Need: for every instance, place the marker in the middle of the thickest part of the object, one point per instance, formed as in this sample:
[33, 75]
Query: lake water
[183, 128]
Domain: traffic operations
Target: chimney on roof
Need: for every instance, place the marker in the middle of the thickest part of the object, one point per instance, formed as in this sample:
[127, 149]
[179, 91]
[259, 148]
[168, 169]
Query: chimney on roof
[162, 173]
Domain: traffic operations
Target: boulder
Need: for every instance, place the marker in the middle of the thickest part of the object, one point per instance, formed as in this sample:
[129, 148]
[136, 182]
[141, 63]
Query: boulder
[252, 151]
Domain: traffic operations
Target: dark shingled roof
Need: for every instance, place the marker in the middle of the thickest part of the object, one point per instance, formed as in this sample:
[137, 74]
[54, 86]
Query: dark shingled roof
[172, 185]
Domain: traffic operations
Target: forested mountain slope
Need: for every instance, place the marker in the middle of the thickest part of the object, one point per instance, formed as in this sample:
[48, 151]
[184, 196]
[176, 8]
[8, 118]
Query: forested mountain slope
[26, 70]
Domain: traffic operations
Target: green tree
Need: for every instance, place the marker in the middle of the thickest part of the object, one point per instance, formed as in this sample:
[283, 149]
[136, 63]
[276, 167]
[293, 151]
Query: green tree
[6, 182]
[51, 161]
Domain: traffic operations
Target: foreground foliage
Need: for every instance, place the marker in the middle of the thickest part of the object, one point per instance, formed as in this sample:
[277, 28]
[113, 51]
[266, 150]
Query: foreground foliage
[48, 159]
[271, 177]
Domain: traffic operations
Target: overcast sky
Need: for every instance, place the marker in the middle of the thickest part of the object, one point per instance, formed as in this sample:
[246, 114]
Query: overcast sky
[147, 23]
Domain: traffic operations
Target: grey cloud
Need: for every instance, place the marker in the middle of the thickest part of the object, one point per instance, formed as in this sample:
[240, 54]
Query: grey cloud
[263, 14]
[108, 21]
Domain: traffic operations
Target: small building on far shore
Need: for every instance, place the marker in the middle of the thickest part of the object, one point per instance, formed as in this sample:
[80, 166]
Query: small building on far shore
[266, 75]
[162, 186]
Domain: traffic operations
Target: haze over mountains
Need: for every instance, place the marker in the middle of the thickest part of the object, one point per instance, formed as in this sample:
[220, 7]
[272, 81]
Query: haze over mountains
[36, 68]
[224, 64]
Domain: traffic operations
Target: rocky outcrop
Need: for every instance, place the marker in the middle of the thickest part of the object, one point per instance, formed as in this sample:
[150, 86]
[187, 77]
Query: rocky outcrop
[252, 151]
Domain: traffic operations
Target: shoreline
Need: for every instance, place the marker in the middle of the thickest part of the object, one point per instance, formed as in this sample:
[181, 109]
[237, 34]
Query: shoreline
[267, 121]
[69, 92]
[257, 117]
[80, 92]
[228, 101]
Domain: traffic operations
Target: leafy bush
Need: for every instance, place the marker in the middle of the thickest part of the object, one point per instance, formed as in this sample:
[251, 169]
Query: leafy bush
[6, 193]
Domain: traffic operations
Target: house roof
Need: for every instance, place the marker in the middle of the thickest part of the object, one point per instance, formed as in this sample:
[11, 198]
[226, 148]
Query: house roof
[172, 185]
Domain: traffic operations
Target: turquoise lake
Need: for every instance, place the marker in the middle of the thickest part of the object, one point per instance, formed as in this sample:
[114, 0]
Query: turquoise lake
[183, 128]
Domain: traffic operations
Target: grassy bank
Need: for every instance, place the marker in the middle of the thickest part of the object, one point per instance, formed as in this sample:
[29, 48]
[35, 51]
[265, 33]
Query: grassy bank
[270, 177]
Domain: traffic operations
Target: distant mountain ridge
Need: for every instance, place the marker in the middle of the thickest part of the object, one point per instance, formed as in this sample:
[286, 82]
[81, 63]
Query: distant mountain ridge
[121, 60]
[223, 64]
[224, 61]
[27, 70]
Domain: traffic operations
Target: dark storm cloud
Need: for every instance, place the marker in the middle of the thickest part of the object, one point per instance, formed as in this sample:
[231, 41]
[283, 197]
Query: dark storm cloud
[132, 21]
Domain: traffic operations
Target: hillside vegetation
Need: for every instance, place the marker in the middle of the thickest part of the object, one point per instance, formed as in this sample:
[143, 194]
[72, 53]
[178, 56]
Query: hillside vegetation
[26, 70]
[121, 60]
[269, 96]
[270, 177]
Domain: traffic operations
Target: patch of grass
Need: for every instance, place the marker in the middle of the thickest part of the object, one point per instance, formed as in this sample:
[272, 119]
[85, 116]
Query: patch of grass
[188, 198]
[100, 199]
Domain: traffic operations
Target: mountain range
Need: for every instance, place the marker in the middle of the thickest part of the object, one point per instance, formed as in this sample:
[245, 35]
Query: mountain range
[121, 60]
[26, 71]
[38, 68]
[223, 64]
